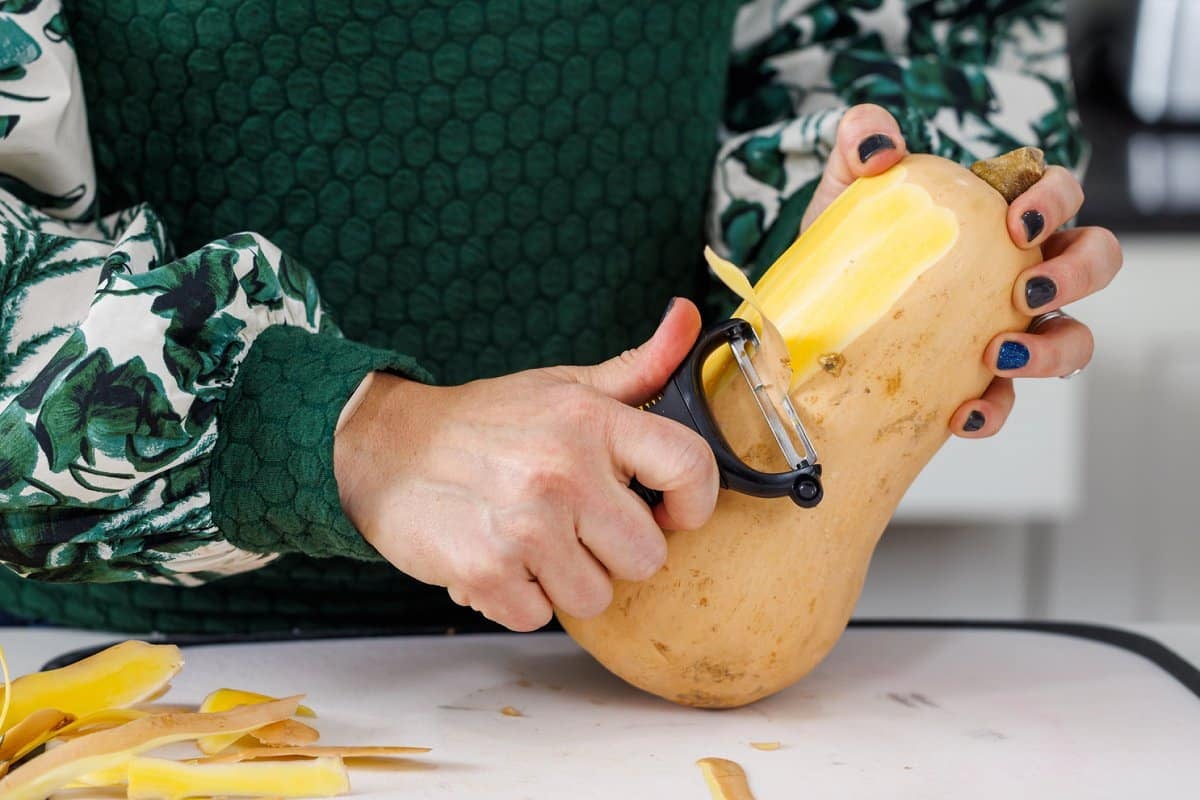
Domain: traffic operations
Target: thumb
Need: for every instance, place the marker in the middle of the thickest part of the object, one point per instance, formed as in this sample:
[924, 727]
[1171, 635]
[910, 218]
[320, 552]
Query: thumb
[636, 375]
[868, 142]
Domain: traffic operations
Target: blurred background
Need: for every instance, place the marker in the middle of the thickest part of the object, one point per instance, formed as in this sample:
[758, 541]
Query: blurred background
[1087, 506]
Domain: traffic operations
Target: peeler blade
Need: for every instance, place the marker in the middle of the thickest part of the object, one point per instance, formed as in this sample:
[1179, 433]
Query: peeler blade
[768, 408]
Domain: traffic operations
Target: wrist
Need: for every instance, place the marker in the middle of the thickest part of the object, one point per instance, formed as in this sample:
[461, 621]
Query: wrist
[351, 440]
[365, 451]
[354, 402]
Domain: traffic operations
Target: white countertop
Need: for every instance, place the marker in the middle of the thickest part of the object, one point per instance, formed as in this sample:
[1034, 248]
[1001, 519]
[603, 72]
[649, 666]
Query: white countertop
[28, 649]
[891, 713]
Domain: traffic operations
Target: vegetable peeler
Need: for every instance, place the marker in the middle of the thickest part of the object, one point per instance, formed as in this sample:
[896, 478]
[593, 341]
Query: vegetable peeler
[683, 400]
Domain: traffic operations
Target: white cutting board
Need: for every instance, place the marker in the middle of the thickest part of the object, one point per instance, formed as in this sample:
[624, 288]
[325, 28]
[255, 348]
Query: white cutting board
[890, 714]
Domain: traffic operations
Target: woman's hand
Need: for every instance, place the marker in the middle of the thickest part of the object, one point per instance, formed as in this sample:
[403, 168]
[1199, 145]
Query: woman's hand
[1077, 263]
[513, 493]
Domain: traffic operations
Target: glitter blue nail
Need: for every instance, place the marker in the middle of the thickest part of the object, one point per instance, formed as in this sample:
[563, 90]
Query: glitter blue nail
[1013, 355]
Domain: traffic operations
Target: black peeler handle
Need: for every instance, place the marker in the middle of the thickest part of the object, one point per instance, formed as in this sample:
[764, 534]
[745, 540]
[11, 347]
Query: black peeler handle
[683, 401]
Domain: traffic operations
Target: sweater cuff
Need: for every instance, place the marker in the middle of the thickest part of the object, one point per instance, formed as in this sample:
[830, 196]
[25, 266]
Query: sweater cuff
[272, 485]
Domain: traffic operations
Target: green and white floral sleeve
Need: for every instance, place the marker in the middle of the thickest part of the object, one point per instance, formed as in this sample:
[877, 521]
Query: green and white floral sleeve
[45, 153]
[966, 80]
[118, 358]
[114, 360]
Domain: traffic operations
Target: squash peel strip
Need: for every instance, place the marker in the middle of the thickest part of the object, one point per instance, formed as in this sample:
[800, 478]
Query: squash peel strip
[285, 734]
[161, 779]
[30, 734]
[100, 720]
[58, 767]
[776, 364]
[7, 693]
[726, 779]
[288, 733]
[316, 751]
[772, 360]
[226, 698]
[120, 676]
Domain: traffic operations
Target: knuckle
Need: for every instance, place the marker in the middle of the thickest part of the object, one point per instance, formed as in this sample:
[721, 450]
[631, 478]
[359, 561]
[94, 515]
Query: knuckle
[865, 114]
[520, 535]
[1110, 247]
[649, 554]
[1089, 345]
[696, 460]
[1074, 281]
[655, 558]
[1058, 173]
[1059, 176]
[628, 357]
[1059, 361]
[1094, 265]
[575, 400]
[525, 540]
[480, 577]
[549, 473]
[547, 480]
[591, 599]
[527, 617]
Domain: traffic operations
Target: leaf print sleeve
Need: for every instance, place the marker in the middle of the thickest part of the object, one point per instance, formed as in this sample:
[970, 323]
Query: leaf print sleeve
[161, 418]
[45, 152]
[965, 79]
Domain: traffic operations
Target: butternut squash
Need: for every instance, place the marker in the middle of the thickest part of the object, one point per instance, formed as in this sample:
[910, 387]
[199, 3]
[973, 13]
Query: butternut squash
[886, 304]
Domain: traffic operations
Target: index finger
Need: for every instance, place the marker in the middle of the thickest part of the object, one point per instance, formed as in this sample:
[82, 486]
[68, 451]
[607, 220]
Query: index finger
[1045, 207]
[664, 455]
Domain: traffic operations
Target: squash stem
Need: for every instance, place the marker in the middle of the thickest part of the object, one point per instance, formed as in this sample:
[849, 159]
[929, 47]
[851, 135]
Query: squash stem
[1012, 173]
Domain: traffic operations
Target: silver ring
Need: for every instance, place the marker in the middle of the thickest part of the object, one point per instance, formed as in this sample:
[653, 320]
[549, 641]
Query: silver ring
[1041, 319]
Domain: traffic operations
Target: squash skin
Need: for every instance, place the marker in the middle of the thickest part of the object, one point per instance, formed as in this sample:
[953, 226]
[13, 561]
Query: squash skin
[750, 603]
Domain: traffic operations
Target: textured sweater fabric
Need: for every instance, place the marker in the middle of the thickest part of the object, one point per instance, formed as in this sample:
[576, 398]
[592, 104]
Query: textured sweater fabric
[443, 190]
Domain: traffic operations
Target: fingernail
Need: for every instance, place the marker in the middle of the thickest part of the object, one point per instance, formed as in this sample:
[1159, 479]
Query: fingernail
[1013, 355]
[873, 144]
[974, 422]
[1034, 223]
[670, 305]
[1039, 291]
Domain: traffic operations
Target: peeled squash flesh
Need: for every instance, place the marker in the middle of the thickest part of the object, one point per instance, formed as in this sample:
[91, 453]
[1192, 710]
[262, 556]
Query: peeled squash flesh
[886, 303]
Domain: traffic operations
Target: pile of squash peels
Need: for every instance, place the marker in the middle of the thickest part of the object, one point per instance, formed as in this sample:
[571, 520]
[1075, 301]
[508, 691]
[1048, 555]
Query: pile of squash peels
[92, 723]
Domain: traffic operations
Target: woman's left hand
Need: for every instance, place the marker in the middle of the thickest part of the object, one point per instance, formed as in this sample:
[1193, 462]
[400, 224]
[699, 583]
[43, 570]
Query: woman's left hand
[1077, 263]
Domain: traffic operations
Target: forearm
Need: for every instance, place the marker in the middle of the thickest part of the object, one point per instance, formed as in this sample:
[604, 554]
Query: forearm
[152, 409]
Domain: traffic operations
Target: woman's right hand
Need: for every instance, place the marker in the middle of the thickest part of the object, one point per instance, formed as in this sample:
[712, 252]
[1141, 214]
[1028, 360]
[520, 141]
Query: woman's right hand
[513, 492]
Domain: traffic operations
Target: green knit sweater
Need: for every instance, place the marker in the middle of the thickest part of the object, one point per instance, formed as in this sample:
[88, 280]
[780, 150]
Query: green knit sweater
[444, 190]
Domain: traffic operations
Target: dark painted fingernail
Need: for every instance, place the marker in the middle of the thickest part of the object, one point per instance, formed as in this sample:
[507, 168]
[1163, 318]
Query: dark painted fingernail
[1013, 355]
[670, 305]
[1039, 291]
[1034, 223]
[874, 144]
[974, 422]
